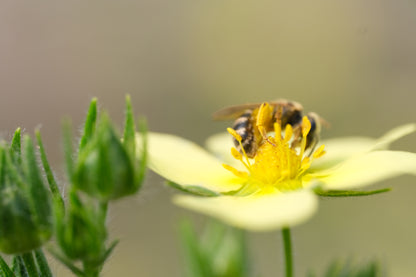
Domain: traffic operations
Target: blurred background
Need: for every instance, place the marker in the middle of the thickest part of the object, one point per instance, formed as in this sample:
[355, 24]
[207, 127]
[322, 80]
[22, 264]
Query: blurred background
[353, 62]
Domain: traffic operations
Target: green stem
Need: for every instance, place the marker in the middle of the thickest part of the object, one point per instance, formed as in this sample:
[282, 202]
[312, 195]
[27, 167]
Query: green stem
[288, 251]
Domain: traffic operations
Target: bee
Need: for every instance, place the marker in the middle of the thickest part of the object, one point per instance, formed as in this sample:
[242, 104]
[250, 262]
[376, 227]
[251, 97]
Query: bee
[253, 130]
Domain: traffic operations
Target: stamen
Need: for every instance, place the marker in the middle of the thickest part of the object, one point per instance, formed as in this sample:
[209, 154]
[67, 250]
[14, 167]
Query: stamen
[236, 154]
[288, 132]
[319, 152]
[234, 134]
[302, 146]
[305, 164]
[306, 126]
[239, 139]
[277, 130]
[236, 172]
[277, 163]
[264, 116]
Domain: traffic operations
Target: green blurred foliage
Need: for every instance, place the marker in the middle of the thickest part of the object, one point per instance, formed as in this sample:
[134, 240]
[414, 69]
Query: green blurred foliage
[221, 251]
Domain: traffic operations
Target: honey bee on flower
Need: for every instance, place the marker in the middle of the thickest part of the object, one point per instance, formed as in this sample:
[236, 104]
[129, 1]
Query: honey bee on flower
[276, 186]
[253, 121]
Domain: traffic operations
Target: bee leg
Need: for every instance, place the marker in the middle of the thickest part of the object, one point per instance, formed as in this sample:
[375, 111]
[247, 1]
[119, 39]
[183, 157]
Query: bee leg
[264, 119]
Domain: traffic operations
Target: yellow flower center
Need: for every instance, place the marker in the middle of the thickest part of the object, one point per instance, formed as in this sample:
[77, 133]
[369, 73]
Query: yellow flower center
[280, 161]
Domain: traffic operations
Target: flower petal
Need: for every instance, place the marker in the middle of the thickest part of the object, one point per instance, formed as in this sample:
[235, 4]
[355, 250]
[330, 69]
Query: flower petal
[369, 168]
[256, 213]
[340, 149]
[220, 145]
[185, 163]
[393, 135]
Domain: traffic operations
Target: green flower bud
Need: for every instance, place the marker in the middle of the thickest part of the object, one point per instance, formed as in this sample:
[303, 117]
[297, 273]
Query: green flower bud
[81, 230]
[107, 167]
[104, 168]
[25, 211]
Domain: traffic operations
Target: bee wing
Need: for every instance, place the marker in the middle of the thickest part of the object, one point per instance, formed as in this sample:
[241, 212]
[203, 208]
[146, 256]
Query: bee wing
[320, 119]
[285, 102]
[233, 112]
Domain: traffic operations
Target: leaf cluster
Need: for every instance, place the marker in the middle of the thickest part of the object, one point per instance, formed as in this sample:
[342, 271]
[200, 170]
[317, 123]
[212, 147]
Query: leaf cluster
[347, 268]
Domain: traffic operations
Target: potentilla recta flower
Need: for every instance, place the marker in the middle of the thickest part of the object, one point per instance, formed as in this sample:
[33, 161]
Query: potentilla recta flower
[277, 188]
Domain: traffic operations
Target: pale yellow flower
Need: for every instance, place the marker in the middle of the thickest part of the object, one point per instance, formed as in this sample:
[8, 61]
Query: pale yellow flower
[277, 188]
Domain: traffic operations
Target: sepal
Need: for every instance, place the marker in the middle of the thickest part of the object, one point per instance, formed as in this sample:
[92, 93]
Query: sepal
[107, 167]
[25, 209]
[194, 190]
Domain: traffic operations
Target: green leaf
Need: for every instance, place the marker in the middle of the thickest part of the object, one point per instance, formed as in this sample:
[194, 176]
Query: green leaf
[90, 122]
[49, 175]
[195, 190]
[18, 267]
[2, 167]
[42, 263]
[67, 262]
[348, 193]
[30, 265]
[195, 264]
[129, 141]
[12, 172]
[339, 268]
[39, 194]
[5, 270]
[110, 250]
[16, 148]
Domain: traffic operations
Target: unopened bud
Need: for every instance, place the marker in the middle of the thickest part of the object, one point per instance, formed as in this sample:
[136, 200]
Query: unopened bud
[25, 211]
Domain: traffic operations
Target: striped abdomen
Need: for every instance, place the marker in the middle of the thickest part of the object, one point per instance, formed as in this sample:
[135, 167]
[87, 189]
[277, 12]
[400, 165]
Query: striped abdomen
[244, 127]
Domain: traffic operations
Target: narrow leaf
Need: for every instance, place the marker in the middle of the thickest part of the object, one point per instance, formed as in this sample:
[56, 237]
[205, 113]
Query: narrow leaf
[5, 270]
[90, 123]
[30, 265]
[77, 271]
[49, 175]
[16, 145]
[18, 267]
[348, 193]
[39, 194]
[42, 263]
[2, 166]
[196, 265]
[110, 250]
[129, 141]
[12, 171]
